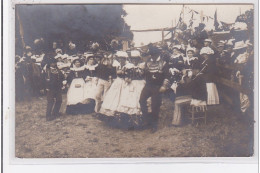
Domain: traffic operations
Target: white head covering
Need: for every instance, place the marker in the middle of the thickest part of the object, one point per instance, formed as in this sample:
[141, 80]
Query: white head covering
[222, 42]
[230, 42]
[248, 43]
[240, 26]
[191, 49]
[88, 54]
[36, 41]
[72, 45]
[239, 45]
[58, 51]
[65, 56]
[95, 45]
[135, 53]
[206, 50]
[121, 54]
[58, 56]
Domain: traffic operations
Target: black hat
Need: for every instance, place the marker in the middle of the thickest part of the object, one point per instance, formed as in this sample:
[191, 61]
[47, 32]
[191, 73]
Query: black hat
[202, 25]
[154, 50]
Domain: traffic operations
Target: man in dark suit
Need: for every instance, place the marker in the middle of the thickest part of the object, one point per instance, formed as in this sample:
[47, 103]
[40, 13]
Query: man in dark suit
[155, 74]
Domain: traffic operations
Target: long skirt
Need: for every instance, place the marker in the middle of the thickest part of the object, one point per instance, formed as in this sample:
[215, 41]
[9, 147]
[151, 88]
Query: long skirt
[130, 96]
[76, 99]
[76, 90]
[213, 97]
[90, 89]
[112, 98]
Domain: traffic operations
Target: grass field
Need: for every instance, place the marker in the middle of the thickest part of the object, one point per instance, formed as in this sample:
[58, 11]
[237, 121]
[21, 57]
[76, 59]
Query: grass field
[84, 136]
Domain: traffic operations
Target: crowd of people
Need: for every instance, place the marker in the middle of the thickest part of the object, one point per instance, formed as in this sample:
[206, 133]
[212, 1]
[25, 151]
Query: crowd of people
[127, 87]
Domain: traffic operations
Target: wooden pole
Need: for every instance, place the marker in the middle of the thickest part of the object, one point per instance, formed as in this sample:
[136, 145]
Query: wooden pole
[162, 36]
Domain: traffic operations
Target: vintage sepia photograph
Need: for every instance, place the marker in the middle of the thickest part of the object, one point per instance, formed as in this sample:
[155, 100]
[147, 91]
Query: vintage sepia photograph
[134, 80]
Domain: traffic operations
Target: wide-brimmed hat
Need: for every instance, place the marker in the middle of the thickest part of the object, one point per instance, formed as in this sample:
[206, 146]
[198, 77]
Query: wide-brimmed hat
[208, 40]
[154, 50]
[206, 50]
[239, 45]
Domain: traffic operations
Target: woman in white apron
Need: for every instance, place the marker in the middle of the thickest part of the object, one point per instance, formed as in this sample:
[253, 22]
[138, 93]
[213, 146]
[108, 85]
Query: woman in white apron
[129, 101]
[208, 71]
[113, 95]
[90, 89]
[75, 95]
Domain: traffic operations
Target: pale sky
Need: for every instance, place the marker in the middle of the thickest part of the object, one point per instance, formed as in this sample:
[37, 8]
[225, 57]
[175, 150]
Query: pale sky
[161, 16]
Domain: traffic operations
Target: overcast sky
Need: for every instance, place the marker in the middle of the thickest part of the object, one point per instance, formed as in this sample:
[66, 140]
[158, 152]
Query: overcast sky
[160, 16]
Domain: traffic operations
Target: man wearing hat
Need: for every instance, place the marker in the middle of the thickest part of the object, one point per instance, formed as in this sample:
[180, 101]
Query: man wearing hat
[222, 55]
[155, 74]
[200, 33]
[54, 83]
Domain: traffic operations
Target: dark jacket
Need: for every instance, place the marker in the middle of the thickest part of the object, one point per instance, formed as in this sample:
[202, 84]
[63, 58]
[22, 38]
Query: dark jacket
[105, 72]
[76, 74]
[54, 79]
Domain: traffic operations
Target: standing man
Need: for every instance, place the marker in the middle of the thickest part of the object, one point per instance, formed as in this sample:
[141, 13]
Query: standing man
[54, 83]
[155, 75]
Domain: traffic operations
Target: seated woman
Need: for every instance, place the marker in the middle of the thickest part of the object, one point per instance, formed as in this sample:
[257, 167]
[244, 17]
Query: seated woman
[190, 61]
[75, 95]
[91, 84]
[185, 87]
[112, 98]
[91, 79]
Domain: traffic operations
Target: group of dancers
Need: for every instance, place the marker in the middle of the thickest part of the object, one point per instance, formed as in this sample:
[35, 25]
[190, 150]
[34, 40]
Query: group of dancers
[126, 87]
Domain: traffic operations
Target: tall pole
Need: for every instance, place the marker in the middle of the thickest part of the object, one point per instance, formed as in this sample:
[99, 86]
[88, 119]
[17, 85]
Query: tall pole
[20, 28]
[183, 13]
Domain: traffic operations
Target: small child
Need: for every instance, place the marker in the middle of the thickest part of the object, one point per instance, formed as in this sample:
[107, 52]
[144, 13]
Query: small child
[54, 84]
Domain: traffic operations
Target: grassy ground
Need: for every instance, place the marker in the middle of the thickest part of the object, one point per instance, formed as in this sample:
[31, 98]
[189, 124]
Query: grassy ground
[84, 136]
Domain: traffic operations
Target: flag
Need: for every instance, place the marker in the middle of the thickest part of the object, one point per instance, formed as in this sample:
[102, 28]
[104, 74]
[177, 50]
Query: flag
[191, 20]
[216, 24]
